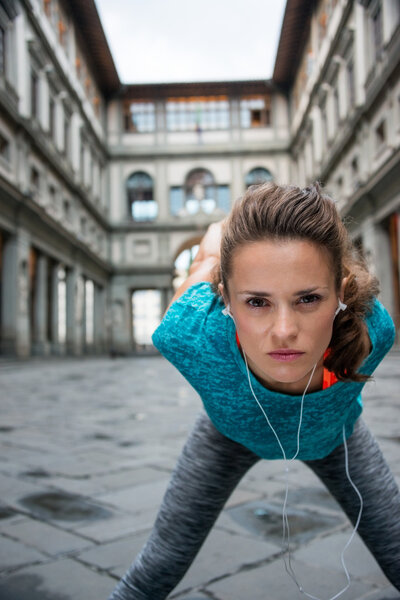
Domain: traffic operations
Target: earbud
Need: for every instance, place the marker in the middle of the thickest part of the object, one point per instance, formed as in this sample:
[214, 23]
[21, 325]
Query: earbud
[341, 306]
[227, 311]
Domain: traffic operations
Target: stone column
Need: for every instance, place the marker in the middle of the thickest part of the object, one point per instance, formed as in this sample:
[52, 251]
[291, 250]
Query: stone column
[40, 344]
[121, 316]
[84, 316]
[74, 311]
[15, 300]
[99, 309]
[54, 308]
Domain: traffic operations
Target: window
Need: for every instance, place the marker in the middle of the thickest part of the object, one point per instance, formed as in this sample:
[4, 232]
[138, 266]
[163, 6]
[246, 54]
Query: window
[67, 210]
[176, 199]
[255, 111]
[83, 226]
[67, 132]
[82, 159]
[2, 51]
[199, 194]
[351, 83]
[34, 94]
[200, 191]
[142, 205]
[5, 149]
[139, 117]
[224, 198]
[354, 166]
[336, 101]
[257, 176]
[355, 173]
[380, 134]
[377, 31]
[35, 180]
[52, 196]
[198, 113]
[339, 188]
[52, 117]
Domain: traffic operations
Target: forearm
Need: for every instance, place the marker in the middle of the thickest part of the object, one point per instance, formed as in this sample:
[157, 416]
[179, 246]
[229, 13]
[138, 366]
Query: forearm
[206, 261]
[210, 244]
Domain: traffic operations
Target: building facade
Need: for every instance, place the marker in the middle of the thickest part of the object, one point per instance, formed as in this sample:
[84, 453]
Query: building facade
[103, 186]
[344, 94]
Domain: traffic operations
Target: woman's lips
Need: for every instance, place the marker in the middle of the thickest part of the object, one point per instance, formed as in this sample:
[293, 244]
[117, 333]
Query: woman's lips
[285, 355]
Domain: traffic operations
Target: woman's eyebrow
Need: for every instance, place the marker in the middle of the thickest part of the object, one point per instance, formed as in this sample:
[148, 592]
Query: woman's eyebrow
[251, 293]
[311, 290]
[299, 293]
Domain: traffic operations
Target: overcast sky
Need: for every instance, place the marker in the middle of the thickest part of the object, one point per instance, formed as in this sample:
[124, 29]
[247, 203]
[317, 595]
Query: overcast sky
[187, 40]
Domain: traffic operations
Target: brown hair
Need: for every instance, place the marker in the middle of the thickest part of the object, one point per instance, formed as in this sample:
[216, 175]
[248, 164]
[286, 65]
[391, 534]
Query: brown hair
[271, 211]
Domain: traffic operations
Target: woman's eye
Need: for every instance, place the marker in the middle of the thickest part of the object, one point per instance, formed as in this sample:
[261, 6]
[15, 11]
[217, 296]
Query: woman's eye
[257, 302]
[309, 299]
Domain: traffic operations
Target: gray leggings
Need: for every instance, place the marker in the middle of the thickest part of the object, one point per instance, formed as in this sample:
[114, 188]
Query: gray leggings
[209, 469]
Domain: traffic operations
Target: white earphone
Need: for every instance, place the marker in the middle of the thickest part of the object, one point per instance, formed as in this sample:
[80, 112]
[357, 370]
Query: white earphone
[341, 306]
[227, 311]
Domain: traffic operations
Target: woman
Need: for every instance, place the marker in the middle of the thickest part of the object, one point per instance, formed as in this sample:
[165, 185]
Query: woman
[277, 328]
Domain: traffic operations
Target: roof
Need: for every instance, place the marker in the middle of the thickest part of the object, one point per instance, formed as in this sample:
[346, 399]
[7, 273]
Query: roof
[294, 34]
[197, 88]
[95, 44]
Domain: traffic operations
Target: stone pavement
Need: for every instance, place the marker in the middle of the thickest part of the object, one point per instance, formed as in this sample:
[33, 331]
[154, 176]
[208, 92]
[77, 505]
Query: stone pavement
[86, 448]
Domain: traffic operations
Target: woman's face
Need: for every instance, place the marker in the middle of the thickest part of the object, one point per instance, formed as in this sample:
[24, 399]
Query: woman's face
[283, 300]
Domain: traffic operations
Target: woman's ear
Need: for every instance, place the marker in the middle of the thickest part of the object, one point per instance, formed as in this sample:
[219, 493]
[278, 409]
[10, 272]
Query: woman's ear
[343, 287]
[221, 290]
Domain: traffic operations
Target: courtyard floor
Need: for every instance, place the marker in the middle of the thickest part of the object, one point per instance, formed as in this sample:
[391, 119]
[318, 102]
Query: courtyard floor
[86, 449]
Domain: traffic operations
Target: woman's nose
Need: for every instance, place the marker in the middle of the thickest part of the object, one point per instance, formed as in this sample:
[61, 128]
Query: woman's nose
[284, 324]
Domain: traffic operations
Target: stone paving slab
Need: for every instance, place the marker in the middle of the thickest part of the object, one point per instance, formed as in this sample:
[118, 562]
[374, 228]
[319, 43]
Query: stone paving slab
[14, 554]
[114, 557]
[118, 525]
[272, 581]
[61, 580]
[44, 537]
[225, 553]
[326, 553]
[386, 593]
[138, 497]
[12, 489]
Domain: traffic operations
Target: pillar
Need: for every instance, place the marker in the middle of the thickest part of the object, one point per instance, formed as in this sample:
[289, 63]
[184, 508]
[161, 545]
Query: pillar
[54, 313]
[40, 344]
[75, 299]
[99, 308]
[121, 317]
[15, 299]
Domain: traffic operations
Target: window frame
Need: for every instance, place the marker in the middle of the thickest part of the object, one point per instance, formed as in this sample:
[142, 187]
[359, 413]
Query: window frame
[141, 190]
